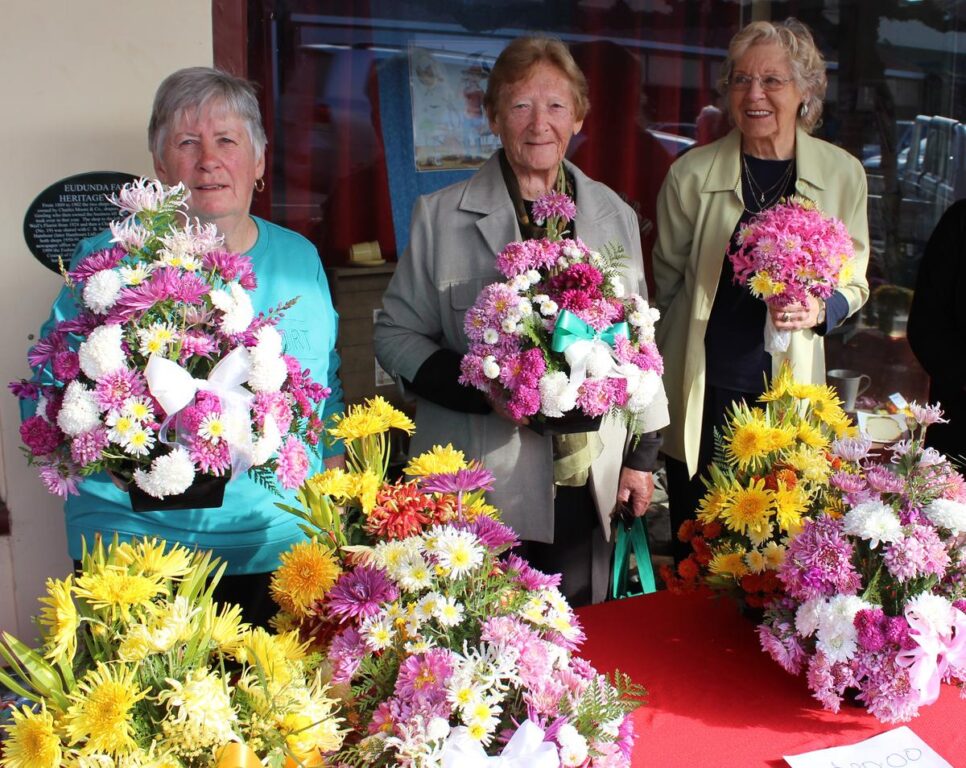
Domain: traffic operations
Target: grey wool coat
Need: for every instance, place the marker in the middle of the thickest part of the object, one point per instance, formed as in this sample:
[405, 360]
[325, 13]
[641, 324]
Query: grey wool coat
[456, 234]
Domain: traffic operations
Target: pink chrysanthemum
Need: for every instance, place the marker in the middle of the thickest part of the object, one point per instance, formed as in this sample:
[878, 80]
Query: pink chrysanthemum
[116, 387]
[293, 463]
[60, 480]
[554, 205]
[86, 447]
[66, 365]
[278, 405]
[97, 261]
[423, 677]
[231, 266]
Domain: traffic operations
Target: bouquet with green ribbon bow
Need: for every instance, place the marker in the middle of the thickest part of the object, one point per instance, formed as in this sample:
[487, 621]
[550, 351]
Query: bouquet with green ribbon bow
[564, 333]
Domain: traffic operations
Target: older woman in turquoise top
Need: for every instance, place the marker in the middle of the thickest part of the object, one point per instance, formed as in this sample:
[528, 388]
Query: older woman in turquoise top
[206, 132]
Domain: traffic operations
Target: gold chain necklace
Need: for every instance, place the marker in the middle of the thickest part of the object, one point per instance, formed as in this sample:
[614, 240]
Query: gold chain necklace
[775, 189]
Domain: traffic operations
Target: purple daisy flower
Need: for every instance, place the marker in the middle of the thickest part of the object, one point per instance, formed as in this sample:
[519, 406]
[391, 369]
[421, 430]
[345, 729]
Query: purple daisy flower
[495, 535]
[529, 577]
[60, 479]
[359, 593]
[473, 478]
[345, 654]
[44, 350]
[423, 677]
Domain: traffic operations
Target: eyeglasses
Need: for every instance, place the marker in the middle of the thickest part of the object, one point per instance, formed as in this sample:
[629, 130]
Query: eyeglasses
[767, 82]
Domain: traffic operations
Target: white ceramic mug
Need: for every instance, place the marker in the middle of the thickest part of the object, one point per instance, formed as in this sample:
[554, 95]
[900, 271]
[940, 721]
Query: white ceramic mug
[849, 384]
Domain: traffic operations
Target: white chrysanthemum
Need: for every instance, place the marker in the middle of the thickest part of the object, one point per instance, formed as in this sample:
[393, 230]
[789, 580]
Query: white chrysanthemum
[128, 234]
[138, 441]
[617, 287]
[182, 246]
[808, 615]
[169, 475]
[102, 353]
[837, 636]
[101, 290]
[78, 412]
[647, 385]
[268, 374]
[149, 195]
[491, 368]
[120, 425]
[459, 552]
[509, 325]
[525, 307]
[873, 521]
[136, 274]
[548, 308]
[267, 444]
[936, 611]
[951, 515]
[392, 556]
[491, 336]
[156, 338]
[571, 251]
[236, 308]
[438, 728]
[519, 283]
[268, 342]
[573, 746]
[449, 612]
[554, 394]
[200, 716]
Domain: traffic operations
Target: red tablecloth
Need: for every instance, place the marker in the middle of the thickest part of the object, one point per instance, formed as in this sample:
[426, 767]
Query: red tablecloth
[716, 699]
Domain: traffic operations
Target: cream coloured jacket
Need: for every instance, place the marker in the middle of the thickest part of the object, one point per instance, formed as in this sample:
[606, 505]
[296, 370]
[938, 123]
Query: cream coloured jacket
[697, 210]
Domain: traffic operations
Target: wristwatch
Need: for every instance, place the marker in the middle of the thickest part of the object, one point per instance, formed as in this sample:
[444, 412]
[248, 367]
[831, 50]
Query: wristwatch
[820, 319]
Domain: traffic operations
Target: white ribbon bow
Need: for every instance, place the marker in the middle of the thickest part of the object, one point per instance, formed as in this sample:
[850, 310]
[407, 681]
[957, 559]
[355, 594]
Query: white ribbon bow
[174, 388]
[934, 653]
[526, 749]
[775, 341]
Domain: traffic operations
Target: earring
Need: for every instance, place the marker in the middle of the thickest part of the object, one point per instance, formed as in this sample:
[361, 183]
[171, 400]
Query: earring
[259, 185]
[803, 110]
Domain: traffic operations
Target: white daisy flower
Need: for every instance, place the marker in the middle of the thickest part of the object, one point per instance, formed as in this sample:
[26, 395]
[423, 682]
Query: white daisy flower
[138, 441]
[378, 632]
[212, 428]
[448, 612]
[459, 552]
[414, 573]
[155, 339]
[428, 605]
[101, 290]
[137, 274]
[138, 408]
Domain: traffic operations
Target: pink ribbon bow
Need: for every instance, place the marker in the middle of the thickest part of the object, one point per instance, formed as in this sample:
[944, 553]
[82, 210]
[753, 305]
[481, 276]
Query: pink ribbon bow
[937, 649]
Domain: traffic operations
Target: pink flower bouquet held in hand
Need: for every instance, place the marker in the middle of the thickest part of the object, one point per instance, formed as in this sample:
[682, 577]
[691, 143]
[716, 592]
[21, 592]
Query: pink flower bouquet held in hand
[562, 335]
[788, 253]
[166, 372]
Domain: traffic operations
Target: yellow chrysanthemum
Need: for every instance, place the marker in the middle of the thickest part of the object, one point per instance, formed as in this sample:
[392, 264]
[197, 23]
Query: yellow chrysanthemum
[780, 385]
[356, 424]
[755, 561]
[478, 507]
[440, 460]
[728, 564]
[59, 619]
[810, 463]
[30, 740]
[780, 437]
[154, 557]
[774, 555]
[307, 572]
[390, 416]
[225, 626]
[310, 726]
[100, 714]
[790, 505]
[116, 591]
[271, 656]
[750, 444]
[365, 486]
[747, 508]
[334, 482]
[811, 435]
[846, 271]
[710, 507]
[763, 286]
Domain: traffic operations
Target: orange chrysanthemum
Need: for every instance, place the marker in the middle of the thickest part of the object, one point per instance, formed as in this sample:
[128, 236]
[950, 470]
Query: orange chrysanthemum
[401, 510]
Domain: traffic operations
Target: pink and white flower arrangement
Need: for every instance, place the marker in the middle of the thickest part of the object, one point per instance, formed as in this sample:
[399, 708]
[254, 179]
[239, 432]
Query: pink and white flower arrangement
[789, 252]
[875, 599]
[562, 334]
[444, 649]
[166, 372]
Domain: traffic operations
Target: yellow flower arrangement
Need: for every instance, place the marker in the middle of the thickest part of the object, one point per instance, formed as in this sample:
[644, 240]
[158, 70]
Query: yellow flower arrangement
[770, 472]
[133, 671]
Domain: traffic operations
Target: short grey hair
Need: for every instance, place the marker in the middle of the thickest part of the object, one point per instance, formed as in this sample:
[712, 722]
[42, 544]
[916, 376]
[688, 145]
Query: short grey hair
[804, 57]
[193, 88]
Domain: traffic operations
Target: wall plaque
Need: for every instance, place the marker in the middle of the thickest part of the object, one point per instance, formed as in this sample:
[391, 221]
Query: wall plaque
[68, 211]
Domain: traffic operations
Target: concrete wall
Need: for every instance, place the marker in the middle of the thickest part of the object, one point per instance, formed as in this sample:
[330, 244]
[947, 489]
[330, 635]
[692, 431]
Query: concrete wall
[78, 80]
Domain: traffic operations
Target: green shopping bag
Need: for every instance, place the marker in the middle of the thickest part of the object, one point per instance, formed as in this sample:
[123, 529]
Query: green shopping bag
[631, 537]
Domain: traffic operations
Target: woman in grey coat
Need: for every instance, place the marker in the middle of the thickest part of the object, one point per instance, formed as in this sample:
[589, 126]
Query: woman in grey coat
[536, 100]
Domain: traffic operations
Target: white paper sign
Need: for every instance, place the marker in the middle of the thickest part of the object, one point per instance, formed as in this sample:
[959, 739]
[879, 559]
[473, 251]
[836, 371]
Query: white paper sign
[898, 748]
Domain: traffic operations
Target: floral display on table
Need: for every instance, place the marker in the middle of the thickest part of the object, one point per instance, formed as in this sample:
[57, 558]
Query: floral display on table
[443, 649]
[771, 472]
[875, 598]
[790, 252]
[139, 668]
[166, 374]
[559, 336]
